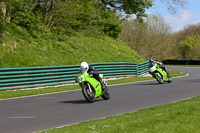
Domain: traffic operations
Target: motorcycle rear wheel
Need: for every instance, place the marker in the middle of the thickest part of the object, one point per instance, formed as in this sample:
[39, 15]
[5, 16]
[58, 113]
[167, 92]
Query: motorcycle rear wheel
[169, 79]
[89, 96]
[106, 95]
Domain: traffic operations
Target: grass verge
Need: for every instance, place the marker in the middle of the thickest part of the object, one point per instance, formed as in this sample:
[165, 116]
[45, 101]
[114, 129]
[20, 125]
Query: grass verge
[21, 49]
[28, 92]
[179, 117]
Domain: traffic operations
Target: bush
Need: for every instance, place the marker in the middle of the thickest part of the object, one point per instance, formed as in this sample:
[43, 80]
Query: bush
[31, 22]
[110, 23]
[190, 47]
[2, 25]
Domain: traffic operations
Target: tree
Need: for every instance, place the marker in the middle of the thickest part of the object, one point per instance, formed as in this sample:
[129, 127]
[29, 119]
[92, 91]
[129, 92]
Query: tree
[188, 31]
[49, 9]
[129, 7]
[150, 39]
[67, 16]
[35, 2]
[2, 19]
[190, 47]
[188, 42]
[138, 7]
[174, 5]
[2, 10]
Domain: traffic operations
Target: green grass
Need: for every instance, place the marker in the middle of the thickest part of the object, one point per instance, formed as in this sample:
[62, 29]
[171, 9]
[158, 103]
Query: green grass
[28, 92]
[20, 49]
[179, 117]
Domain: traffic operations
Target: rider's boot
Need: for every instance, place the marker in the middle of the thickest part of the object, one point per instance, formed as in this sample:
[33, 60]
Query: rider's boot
[168, 74]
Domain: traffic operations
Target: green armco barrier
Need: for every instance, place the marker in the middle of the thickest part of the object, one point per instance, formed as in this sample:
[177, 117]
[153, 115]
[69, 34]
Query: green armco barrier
[28, 77]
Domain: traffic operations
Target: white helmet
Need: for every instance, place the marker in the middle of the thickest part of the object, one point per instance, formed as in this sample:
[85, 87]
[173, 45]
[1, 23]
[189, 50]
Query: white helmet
[84, 66]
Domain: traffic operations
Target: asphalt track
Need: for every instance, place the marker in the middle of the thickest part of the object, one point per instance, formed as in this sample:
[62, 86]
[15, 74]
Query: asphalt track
[36, 113]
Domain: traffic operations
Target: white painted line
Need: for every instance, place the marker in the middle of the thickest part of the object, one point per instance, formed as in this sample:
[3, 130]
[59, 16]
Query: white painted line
[181, 76]
[44, 97]
[145, 81]
[22, 117]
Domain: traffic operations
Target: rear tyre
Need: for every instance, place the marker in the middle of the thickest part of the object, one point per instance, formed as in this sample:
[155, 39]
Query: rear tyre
[159, 79]
[106, 94]
[89, 96]
[169, 78]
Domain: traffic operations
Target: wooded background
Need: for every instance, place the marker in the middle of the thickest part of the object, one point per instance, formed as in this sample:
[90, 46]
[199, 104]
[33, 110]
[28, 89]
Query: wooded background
[149, 35]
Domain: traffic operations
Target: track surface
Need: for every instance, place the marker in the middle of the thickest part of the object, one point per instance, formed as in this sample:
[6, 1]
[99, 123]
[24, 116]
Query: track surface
[30, 114]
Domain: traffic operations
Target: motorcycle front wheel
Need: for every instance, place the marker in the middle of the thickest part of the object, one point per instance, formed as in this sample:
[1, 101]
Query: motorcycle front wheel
[159, 79]
[89, 96]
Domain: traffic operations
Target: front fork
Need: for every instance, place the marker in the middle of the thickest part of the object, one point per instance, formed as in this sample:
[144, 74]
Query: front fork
[89, 87]
[83, 84]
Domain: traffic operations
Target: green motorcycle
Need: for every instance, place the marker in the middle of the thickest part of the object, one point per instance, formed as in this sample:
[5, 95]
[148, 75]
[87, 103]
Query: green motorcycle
[91, 88]
[159, 74]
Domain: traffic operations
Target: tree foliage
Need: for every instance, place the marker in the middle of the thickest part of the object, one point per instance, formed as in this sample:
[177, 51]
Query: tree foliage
[93, 18]
[190, 47]
[187, 42]
[173, 6]
[150, 39]
[62, 16]
[136, 7]
[188, 31]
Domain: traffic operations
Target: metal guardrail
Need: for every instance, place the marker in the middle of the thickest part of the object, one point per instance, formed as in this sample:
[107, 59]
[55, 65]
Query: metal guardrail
[27, 77]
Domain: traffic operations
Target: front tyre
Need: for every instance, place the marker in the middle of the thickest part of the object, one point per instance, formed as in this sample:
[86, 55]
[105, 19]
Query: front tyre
[159, 79]
[89, 96]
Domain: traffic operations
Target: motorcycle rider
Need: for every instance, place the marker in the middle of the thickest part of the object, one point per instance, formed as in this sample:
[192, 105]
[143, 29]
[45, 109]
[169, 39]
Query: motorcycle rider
[92, 71]
[152, 63]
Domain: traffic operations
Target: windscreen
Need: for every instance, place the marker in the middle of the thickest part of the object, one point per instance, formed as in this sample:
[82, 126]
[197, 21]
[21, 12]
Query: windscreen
[82, 71]
[152, 64]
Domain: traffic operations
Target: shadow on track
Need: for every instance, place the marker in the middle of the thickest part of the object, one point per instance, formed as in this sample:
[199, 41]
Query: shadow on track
[80, 101]
[148, 83]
